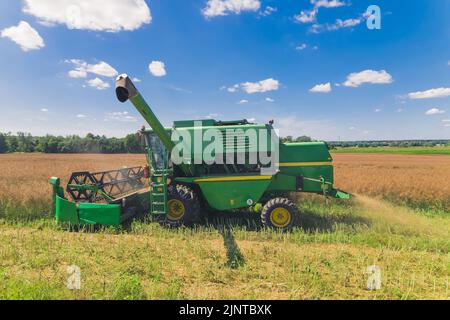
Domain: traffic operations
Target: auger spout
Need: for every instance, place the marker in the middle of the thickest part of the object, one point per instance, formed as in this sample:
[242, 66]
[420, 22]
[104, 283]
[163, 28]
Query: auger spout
[125, 90]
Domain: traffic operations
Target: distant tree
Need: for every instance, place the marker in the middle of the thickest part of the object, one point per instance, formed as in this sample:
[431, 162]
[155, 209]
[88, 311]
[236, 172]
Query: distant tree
[11, 142]
[25, 142]
[133, 144]
[3, 148]
[303, 139]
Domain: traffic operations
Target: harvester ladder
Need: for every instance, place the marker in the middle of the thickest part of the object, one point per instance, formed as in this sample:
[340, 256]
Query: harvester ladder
[158, 192]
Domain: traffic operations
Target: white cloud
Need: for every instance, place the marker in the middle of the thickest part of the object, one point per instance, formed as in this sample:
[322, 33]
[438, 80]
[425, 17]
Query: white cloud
[102, 69]
[301, 47]
[339, 24]
[296, 126]
[82, 68]
[243, 101]
[432, 93]
[113, 16]
[225, 7]
[306, 16]
[136, 80]
[254, 87]
[377, 110]
[346, 23]
[434, 111]
[233, 88]
[157, 68]
[270, 100]
[310, 16]
[327, 3]
[321, 88]
[81, 116]
[120, 116]
[44, 110]
[212, 115]
[25, 36]
[178, 89]
[260, 86]
[77, 73]
[98, 84]
[445, 120]
[268, 11]
[368, 76]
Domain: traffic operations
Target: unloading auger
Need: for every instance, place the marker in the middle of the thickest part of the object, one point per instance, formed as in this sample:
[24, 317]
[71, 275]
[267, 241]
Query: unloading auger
[179, 192]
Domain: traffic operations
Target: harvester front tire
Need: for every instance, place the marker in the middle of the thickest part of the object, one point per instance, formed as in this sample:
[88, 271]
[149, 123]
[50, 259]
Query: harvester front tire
[279, 214]
[180, 196]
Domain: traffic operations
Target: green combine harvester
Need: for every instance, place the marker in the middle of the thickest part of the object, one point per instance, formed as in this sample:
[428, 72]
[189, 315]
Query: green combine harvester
[179, 192]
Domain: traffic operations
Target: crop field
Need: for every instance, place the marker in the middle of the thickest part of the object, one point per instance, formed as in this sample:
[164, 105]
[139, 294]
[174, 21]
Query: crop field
[395, 150]
[398, 220]
[418, 181]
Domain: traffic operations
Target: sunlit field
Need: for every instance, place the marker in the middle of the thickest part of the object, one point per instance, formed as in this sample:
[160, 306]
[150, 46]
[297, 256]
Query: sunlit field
[396, 150]
[398, 220]
[419, 181]
[24, 188]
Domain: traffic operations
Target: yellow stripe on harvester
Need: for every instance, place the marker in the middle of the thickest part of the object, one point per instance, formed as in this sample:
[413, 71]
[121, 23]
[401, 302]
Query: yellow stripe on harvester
[305, 164]
[236, 178]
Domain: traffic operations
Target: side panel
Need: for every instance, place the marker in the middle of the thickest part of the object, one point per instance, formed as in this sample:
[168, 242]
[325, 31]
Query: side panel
[105, 214]
[282, 182]
[65, 211]
[311, 160]
[304, 151]
[311, 176]
[232, 194]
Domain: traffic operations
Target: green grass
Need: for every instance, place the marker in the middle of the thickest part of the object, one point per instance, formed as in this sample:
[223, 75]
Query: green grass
[232, 257]
[395, 150]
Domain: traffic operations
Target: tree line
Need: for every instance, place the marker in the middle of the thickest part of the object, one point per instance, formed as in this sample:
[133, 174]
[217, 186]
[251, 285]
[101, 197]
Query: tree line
[389, 143]
[25, 142]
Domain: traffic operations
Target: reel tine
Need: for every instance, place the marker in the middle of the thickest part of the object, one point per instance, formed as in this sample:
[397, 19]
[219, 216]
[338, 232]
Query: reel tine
[114, 183]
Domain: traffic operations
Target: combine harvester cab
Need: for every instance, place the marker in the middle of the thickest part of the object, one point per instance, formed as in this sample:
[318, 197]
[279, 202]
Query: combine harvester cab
[178, 191]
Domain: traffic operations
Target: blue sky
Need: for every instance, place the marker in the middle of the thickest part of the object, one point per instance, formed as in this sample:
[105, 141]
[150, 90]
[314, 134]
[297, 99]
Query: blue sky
[311, 65]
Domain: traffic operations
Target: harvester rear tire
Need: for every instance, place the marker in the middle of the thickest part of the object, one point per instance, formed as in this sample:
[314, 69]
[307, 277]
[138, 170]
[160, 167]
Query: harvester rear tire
[185, 196]
[279, 214]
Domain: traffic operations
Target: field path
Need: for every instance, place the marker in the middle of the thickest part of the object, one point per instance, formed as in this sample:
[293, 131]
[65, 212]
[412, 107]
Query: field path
[393, 215]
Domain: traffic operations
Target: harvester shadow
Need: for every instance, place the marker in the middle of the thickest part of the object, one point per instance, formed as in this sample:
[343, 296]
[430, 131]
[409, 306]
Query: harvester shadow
[235, 258]
[228, 222]
[308, 221]
[232, 220]
[312, 222]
